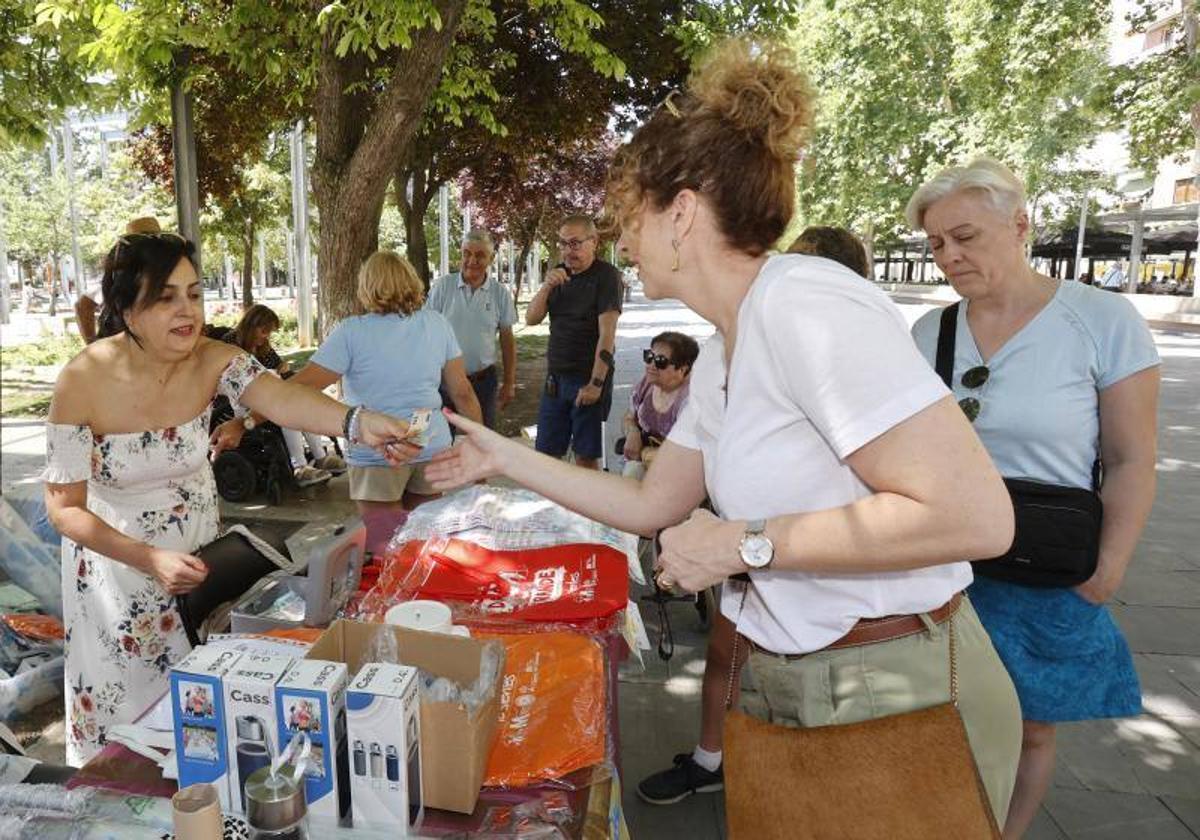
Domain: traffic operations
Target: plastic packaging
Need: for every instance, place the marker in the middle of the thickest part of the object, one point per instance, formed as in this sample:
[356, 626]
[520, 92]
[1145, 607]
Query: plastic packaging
[433, 689]
[553, 709]
[579, 584]
[30, 552]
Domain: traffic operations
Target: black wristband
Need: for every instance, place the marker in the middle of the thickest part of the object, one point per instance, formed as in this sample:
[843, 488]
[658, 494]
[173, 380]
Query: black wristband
[346, 421]
[597, 381]
[607, 358]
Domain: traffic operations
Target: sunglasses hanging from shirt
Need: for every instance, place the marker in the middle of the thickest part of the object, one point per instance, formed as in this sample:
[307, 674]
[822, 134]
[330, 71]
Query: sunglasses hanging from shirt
[1057, 539]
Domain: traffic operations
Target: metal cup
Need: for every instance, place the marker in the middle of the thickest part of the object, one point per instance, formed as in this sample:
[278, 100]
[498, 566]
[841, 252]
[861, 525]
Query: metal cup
[275, 803]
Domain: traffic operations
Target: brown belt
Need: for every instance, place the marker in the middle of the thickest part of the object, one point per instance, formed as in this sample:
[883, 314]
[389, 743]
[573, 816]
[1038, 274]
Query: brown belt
[481, 374]
[869, 631]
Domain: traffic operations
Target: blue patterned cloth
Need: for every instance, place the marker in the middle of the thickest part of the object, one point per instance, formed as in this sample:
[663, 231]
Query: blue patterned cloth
[1066, 656]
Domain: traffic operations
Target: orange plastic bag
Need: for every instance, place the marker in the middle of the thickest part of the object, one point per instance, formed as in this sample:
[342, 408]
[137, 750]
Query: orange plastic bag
[41, 628]
[553, 708]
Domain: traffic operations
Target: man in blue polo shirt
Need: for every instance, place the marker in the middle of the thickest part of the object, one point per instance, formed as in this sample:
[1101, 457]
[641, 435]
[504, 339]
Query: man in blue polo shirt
[478, 307]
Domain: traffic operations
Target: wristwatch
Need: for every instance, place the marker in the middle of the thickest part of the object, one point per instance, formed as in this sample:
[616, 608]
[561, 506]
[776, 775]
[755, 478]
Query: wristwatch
[248, 422]
[756, 549]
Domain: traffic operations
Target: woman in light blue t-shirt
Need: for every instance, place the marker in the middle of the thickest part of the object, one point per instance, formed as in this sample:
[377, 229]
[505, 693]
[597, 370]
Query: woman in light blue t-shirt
[1053, 375]
[394, 355]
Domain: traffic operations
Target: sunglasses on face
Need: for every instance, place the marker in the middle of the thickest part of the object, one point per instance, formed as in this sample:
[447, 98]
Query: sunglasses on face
[657, 359]
[973, 378]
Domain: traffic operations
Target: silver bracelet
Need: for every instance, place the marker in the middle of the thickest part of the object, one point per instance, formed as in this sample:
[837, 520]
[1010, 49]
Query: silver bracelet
[356, 425]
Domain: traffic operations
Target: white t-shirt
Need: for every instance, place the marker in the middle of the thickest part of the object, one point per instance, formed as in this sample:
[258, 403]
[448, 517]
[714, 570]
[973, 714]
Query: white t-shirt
[823, 365]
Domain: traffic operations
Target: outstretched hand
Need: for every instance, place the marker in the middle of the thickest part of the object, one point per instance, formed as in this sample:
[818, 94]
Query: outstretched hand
[476, 455]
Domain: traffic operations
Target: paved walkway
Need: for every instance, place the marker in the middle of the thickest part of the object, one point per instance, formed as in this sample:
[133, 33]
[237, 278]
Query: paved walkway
[1137, 778]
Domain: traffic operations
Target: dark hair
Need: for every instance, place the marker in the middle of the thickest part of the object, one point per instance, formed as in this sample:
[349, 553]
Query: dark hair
[733, 137]
[135, 274]
[684, 348]
[833, 243]
[253, 318]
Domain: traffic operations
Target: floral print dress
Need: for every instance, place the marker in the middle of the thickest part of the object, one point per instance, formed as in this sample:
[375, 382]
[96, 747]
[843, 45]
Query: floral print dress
[123, 629]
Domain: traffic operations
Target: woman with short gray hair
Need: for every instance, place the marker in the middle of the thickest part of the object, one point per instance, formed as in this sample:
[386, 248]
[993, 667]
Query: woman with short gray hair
[1087, 361]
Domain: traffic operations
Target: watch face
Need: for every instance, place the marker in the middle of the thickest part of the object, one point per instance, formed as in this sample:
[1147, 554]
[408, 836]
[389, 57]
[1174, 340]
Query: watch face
[757, 551]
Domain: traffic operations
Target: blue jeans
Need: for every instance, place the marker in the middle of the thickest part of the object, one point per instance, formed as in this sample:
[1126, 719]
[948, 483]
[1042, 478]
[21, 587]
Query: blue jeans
[485, 390]
[562, 425]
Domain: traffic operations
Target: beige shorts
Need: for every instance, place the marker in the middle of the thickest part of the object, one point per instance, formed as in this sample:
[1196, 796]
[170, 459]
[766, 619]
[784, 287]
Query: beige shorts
[388, 484]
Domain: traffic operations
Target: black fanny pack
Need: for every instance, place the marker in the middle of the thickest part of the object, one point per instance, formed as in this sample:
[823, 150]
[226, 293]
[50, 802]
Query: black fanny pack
[1057, 540]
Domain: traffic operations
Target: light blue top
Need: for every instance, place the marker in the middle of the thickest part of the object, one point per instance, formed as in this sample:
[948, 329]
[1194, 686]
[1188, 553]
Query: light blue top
[1039, 409]
[392, 363]
[475, 314]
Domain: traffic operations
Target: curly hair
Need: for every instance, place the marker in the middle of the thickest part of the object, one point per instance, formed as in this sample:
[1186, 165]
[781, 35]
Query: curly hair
[387, 284]
[733, 136]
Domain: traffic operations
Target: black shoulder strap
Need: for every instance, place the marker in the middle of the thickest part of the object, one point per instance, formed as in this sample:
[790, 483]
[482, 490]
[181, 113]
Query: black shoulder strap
[944, 364]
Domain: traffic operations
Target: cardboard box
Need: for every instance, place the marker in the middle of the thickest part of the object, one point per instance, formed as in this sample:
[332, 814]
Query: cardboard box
[198, 710]
[455, 744]
[311, 697]
[384, 724]
[251, 731]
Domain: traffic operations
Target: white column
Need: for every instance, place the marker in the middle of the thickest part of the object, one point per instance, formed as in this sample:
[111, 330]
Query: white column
[1079, 239]
[1135, 252]
[300, 227]
[444, 229]
[5, 292]
[72, 210]
[262, 265]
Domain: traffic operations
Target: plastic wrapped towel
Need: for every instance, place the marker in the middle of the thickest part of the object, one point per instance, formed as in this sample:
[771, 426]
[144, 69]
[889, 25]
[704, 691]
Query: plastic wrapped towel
[435, 689]
[26, 691]
[31, 562]
[85, 807]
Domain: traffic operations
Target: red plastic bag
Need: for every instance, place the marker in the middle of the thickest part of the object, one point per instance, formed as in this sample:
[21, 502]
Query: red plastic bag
[571, 584]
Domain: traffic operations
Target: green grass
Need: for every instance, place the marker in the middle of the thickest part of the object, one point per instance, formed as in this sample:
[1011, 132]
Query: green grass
[50, 350]
[17, 403]
[532, 346]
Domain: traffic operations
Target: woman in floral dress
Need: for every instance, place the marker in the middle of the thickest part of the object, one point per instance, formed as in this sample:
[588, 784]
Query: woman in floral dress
[128, 483]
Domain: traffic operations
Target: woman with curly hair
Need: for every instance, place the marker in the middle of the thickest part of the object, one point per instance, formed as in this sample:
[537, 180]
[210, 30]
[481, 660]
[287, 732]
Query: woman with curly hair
[850, 488]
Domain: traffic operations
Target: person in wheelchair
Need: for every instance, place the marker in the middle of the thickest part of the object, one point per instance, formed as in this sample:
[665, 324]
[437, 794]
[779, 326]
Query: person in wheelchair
[253, 334]
[657, 399]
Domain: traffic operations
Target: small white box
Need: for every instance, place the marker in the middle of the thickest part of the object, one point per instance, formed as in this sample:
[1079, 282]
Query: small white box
[198, 710]
[251, 730]
[384, 722]
[311, 697]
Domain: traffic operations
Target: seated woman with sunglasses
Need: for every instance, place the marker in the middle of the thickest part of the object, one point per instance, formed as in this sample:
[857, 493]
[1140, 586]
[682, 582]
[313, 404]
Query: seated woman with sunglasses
[657, 399]
[128, 483]
[1054, 375]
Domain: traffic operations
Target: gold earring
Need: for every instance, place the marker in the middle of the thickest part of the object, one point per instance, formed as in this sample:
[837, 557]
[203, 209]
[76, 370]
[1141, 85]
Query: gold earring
[675, 262]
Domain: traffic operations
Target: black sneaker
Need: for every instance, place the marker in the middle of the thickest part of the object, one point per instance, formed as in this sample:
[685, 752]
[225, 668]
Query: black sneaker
[680, 782]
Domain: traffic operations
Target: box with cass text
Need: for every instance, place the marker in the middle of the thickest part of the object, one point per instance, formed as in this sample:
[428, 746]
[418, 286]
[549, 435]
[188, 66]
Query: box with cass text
[251, 734]
[384, 730]
[311, 698]
[198, 709]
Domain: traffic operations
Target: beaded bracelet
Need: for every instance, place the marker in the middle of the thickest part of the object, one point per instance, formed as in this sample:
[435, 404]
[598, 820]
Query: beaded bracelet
[350, 425]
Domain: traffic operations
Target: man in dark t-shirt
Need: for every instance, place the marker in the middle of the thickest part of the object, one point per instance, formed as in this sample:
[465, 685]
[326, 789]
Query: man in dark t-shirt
[582, 296]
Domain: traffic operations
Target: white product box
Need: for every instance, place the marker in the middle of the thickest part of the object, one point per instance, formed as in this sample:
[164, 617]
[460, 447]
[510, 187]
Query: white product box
[251, 730]
[198, 710]
[311, 697]
[384, 723]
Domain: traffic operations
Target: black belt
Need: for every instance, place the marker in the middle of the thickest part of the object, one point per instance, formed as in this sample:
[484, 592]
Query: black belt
[483, 373]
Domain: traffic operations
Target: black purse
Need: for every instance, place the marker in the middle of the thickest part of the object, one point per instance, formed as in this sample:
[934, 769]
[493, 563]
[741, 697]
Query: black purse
[235, 564]
[1057, 540]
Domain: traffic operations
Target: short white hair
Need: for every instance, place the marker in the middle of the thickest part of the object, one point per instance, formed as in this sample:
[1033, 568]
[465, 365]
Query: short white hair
[479, 236]
[1003, 190]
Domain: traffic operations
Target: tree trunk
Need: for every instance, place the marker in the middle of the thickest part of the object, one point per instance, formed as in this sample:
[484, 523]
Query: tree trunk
[248, 265]
[355, 157]
[522, 261]
[868, 240]
[413, 214]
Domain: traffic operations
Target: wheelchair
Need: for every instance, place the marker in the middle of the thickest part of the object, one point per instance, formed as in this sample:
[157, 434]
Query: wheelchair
[259, 464]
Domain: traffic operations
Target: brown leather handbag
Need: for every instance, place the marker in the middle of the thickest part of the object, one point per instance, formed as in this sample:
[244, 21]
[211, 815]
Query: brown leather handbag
[909, 776]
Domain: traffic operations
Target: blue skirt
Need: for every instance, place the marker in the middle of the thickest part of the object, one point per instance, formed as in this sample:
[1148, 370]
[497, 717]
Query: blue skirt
[1066, 656]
